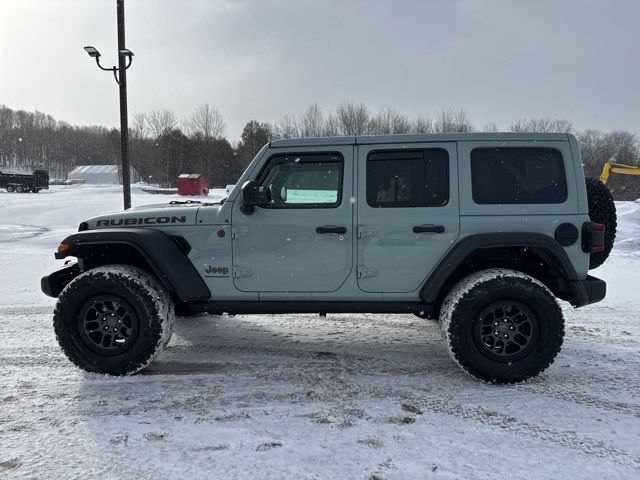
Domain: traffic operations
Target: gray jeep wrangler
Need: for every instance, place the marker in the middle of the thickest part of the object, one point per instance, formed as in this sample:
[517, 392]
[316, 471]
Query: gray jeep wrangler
[481, 231]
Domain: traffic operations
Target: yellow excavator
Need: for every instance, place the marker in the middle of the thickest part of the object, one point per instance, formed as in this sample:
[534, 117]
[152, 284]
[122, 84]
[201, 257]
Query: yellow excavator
[610, 167]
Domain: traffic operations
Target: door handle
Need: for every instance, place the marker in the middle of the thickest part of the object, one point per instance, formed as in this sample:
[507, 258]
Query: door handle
[428, 229]
[331, 229]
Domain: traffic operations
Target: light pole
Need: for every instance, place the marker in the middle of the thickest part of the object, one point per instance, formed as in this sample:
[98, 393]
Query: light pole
[125, 57]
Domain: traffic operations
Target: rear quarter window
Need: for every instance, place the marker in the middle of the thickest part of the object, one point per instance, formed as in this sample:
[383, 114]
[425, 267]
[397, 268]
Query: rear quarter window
[518, 175]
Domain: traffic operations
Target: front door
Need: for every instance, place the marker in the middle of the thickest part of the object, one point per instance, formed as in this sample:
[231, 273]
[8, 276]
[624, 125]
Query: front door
[300, 238]
[407, 213]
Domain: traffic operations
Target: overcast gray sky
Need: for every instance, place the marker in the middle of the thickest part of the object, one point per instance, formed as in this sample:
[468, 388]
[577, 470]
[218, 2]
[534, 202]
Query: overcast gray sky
[259, 59]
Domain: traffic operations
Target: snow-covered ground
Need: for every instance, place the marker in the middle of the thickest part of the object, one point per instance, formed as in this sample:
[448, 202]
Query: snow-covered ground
[298, 396]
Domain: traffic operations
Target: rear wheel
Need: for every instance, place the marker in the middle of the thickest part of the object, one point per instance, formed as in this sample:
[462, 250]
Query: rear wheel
[114, 319]
[11, 189]
[502, 326]
[19, 189]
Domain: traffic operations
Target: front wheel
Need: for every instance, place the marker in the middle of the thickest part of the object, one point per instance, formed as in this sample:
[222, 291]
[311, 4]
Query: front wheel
[502, 326]
[19, 189]
[11, 189]
[114, 319]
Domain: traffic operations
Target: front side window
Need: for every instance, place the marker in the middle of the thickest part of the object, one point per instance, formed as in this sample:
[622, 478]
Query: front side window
[517, 175]
[302, 181]
[408, 178]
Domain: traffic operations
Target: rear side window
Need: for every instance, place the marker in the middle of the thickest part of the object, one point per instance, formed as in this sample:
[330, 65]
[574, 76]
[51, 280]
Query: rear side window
[511, 175]
[408, 178]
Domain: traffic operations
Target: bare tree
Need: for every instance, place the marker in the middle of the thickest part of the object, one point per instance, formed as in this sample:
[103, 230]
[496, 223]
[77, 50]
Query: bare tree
[161, 120]
[592, 150]
[621, 147]
[312, 122]
[140, 125]
[352, 118]
[490, 127]
[330, 127]
[422, 124]
[389, 121]
[206, 121]
[451, 120]
[597, 148]
[545, 124]
[287, 127]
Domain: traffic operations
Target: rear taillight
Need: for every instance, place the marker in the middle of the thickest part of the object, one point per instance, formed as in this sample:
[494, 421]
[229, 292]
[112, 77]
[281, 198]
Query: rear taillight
[592, 237]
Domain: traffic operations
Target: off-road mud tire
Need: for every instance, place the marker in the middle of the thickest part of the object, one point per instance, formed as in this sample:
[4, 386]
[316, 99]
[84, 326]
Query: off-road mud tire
[148, 301]
[473, 295]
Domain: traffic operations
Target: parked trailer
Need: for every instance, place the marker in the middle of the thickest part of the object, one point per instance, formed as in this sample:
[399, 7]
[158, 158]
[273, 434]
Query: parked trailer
[22, 183]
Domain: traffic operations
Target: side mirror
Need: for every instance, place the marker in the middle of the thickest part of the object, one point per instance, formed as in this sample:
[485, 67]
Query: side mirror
[250, 197]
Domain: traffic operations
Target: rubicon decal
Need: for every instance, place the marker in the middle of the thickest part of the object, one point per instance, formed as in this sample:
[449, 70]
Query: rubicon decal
[116, 222]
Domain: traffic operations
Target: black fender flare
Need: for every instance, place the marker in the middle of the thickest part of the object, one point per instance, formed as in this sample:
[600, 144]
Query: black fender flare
[466, 246]
[165, 257]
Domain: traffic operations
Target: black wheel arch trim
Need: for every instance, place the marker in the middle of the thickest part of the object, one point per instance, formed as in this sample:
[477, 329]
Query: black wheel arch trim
[167, 259]
[430, 291]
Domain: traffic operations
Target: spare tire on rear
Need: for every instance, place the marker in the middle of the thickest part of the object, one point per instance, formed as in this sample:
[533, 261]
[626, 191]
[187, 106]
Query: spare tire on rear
[602, 209]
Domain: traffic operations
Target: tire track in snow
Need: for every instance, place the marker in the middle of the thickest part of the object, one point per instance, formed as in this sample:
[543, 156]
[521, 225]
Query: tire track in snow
[14, 233]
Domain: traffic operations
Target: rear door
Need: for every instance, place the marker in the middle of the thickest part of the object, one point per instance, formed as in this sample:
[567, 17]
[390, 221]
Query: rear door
[407, 215]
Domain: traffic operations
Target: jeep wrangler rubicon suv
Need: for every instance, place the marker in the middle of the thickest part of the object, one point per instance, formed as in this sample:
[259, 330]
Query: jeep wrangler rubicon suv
[481, 231]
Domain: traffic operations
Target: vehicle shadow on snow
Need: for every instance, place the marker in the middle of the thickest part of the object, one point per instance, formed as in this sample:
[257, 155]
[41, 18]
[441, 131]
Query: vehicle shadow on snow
[363, 343]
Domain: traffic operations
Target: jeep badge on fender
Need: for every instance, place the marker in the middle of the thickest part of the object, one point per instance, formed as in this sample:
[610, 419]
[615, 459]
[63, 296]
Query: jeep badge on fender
[216, 271]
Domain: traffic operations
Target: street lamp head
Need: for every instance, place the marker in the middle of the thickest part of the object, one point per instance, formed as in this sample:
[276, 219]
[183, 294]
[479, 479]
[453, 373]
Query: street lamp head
[92, 52]
[126, 52]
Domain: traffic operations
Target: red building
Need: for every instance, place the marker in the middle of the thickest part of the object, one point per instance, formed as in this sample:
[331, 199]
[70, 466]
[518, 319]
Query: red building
[193, 184]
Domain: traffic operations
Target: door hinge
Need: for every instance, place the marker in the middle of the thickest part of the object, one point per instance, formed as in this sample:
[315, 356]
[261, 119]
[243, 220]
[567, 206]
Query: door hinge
[239, 232]
[241, 272]
[366, 272]
[364, 231]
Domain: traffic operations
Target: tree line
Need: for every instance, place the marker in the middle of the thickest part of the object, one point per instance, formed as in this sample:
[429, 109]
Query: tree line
[162, 146]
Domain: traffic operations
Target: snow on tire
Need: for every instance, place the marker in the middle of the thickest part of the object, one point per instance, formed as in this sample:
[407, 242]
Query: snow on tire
[602, 209]
[114, 319]
[501, 326]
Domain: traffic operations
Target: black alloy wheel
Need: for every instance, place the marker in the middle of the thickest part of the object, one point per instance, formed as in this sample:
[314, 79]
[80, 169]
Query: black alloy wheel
[108, 324]
[506, 330]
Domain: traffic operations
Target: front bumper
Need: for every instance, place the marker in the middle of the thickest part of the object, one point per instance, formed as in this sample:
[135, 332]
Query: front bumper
[587, 291]
[53, 283]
